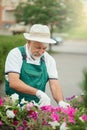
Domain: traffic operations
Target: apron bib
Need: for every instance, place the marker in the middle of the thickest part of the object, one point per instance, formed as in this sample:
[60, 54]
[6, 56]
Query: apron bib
[33, 75]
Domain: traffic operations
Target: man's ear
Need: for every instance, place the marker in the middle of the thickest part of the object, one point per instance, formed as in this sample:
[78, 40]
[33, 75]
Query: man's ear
[29, 42]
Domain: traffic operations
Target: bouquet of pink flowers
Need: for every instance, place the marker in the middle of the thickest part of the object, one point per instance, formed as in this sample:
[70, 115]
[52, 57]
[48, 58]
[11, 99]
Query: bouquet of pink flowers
[29, 116]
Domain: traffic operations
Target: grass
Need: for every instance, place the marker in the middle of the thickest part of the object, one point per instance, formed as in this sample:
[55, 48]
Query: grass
[79, 33]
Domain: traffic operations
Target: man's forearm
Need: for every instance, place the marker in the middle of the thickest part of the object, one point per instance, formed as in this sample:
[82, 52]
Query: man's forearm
[20, 86]
[56, 90]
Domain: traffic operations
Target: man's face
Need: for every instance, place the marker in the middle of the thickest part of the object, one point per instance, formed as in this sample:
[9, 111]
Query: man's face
[37, 49]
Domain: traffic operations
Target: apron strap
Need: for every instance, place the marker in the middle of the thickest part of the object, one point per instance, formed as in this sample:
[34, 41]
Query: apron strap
[23, 53]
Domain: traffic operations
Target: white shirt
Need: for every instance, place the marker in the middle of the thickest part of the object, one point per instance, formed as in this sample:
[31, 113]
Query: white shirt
[14, 63]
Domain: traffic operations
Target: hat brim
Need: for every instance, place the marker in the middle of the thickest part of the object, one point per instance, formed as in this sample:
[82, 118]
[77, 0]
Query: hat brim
[39, 39]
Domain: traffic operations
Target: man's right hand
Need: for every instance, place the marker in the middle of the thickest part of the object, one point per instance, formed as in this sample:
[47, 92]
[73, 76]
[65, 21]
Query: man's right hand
[44, 99]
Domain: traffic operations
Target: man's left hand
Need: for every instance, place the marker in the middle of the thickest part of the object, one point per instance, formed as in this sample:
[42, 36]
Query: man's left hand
[63, 104]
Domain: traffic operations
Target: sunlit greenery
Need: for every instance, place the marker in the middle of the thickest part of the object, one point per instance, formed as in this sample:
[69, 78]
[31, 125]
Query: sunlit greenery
[62, 14]
[79, 31]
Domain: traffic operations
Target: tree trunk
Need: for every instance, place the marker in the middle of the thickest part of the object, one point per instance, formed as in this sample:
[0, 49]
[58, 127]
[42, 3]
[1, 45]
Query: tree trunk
[51, 32]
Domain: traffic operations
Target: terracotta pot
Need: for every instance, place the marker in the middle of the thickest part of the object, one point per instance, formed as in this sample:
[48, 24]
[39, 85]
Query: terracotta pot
[6, 127]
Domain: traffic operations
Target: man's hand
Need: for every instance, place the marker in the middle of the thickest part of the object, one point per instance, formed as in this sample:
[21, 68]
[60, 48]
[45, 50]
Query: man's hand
[63, 104]
[44, 99]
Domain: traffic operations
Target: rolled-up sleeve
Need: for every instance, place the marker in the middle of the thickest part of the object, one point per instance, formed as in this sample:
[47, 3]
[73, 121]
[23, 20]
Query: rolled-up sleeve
[13, 61]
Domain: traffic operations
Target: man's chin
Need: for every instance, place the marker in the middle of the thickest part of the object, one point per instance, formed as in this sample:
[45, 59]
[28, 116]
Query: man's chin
[36, 57]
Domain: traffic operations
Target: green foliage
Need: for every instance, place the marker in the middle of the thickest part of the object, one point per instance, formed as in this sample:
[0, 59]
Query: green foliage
[59, 13]
[84, 86]
[72, 12]
[80, 101]
[39, 11]
[6, 44]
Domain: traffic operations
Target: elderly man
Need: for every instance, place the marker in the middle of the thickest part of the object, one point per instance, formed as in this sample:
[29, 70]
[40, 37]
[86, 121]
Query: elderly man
[28, 68]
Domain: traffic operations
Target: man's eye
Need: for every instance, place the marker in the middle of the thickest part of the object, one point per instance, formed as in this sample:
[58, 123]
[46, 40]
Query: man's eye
[39, 48]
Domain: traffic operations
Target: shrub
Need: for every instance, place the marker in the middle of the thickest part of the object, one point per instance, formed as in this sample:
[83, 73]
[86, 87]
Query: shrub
[84, 87]
[6, 44]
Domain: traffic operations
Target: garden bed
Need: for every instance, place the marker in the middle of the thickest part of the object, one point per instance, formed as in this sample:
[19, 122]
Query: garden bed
[29, 116]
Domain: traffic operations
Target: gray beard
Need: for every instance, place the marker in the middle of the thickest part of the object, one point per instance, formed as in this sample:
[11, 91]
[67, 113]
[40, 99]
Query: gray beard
[34, 57]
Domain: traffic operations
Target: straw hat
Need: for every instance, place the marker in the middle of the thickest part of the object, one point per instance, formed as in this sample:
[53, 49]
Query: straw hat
[39, 33]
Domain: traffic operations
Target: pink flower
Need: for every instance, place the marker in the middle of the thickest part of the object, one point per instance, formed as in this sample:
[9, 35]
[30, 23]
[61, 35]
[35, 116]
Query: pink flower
[15, 123]
[70, 111]
[1, 102]
[71, 120]
[55, 109]
[1, 123]
[50, 108]
[33, 114]
[70, 98]
[46, 108]
[29, 105]
[55, 116]
[20, 128]
[44, 122]
[84, 117]
[24, 122]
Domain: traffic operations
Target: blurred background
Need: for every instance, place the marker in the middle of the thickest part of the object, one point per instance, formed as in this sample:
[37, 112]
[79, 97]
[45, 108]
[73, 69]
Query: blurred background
[67, 20]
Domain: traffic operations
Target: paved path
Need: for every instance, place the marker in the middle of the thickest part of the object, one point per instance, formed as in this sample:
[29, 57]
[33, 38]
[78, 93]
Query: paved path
[72, 46]
[71, 61]
[70, 68]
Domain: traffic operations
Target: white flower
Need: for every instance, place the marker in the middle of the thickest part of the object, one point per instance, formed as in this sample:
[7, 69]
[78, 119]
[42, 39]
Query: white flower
[10, 114]
[23, 101]
[18, 105]
[76, 97]
[63, 126]
[81, 119]
[54, 124]
[14, 97]
[7, 107]
[35, 104]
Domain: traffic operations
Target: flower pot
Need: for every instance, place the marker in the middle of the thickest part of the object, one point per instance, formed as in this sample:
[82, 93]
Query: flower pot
[6, 127]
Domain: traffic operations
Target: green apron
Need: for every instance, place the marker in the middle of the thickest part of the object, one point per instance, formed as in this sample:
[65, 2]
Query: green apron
[33, 75]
